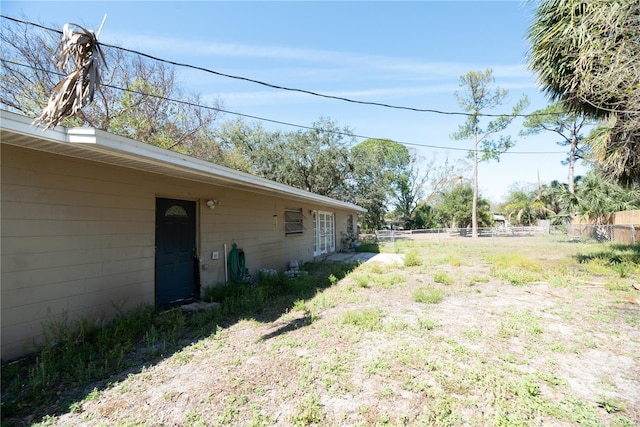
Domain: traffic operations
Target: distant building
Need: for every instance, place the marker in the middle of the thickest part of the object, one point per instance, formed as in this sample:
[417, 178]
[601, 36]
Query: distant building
[500, 221]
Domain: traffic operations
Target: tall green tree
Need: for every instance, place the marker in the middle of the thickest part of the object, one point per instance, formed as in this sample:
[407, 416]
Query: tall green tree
[585, 53]
[379, 167]
[315, 160]
[409, 190]
[568, 126]
[478, 96]
[246, 147]
[456, 208]
[424, 216]
[421, 185]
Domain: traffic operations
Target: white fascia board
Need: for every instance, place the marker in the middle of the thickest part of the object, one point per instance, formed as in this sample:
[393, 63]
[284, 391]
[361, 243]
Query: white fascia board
[134, 149]
[23, 125]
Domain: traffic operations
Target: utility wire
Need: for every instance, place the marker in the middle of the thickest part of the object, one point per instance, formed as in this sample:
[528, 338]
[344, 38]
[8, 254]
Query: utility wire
[309, 92]
[207, 107]
[285, 88]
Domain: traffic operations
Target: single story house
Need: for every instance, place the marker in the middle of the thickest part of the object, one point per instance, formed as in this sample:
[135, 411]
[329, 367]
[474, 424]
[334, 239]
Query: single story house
[93, 223]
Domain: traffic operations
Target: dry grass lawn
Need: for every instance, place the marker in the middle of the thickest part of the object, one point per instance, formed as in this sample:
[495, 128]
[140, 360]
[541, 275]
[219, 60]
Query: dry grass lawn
[512, 332]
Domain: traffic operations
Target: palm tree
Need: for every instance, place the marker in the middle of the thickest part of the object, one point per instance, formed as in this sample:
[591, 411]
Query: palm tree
[80, 56]
[586, 54]
[597, 198]
[560, 202]
[617, 158]
[526, 207]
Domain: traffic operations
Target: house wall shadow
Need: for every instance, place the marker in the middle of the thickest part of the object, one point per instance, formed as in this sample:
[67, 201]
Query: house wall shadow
[176, 329]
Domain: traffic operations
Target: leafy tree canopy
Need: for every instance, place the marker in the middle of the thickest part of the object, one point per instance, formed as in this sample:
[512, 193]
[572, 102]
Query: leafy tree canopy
[455, 209]
[379, 165]
[421, 185]
[315, 160]
[424, 216]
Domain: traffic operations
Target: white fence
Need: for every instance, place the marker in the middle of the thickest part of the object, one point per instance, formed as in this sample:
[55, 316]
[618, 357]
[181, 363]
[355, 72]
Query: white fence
[438, 233]
[622, 233]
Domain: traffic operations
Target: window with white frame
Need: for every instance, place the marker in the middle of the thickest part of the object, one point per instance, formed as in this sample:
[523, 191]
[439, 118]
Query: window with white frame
[293, 221]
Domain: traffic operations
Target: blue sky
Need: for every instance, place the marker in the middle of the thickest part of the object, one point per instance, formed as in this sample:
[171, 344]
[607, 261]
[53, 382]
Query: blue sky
[401, 53]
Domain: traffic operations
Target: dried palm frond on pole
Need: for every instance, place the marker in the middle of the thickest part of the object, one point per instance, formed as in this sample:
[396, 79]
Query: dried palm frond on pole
[79, 58]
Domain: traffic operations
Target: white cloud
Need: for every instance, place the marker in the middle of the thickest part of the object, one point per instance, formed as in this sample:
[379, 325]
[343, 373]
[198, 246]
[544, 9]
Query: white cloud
[365, 95]
[310, 60]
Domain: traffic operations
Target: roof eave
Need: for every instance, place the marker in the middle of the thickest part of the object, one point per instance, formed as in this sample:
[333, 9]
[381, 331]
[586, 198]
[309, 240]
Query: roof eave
[88, 143]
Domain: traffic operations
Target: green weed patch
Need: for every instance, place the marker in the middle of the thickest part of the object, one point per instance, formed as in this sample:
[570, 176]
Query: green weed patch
[428, 295]
[81, 351]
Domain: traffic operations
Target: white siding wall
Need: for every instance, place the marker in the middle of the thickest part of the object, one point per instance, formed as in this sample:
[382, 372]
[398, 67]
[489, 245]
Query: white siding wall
[79, 238]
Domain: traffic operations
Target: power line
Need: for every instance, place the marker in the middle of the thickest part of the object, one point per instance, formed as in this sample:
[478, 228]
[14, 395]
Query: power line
[285, 88]
[207, 107]
[309, 92]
